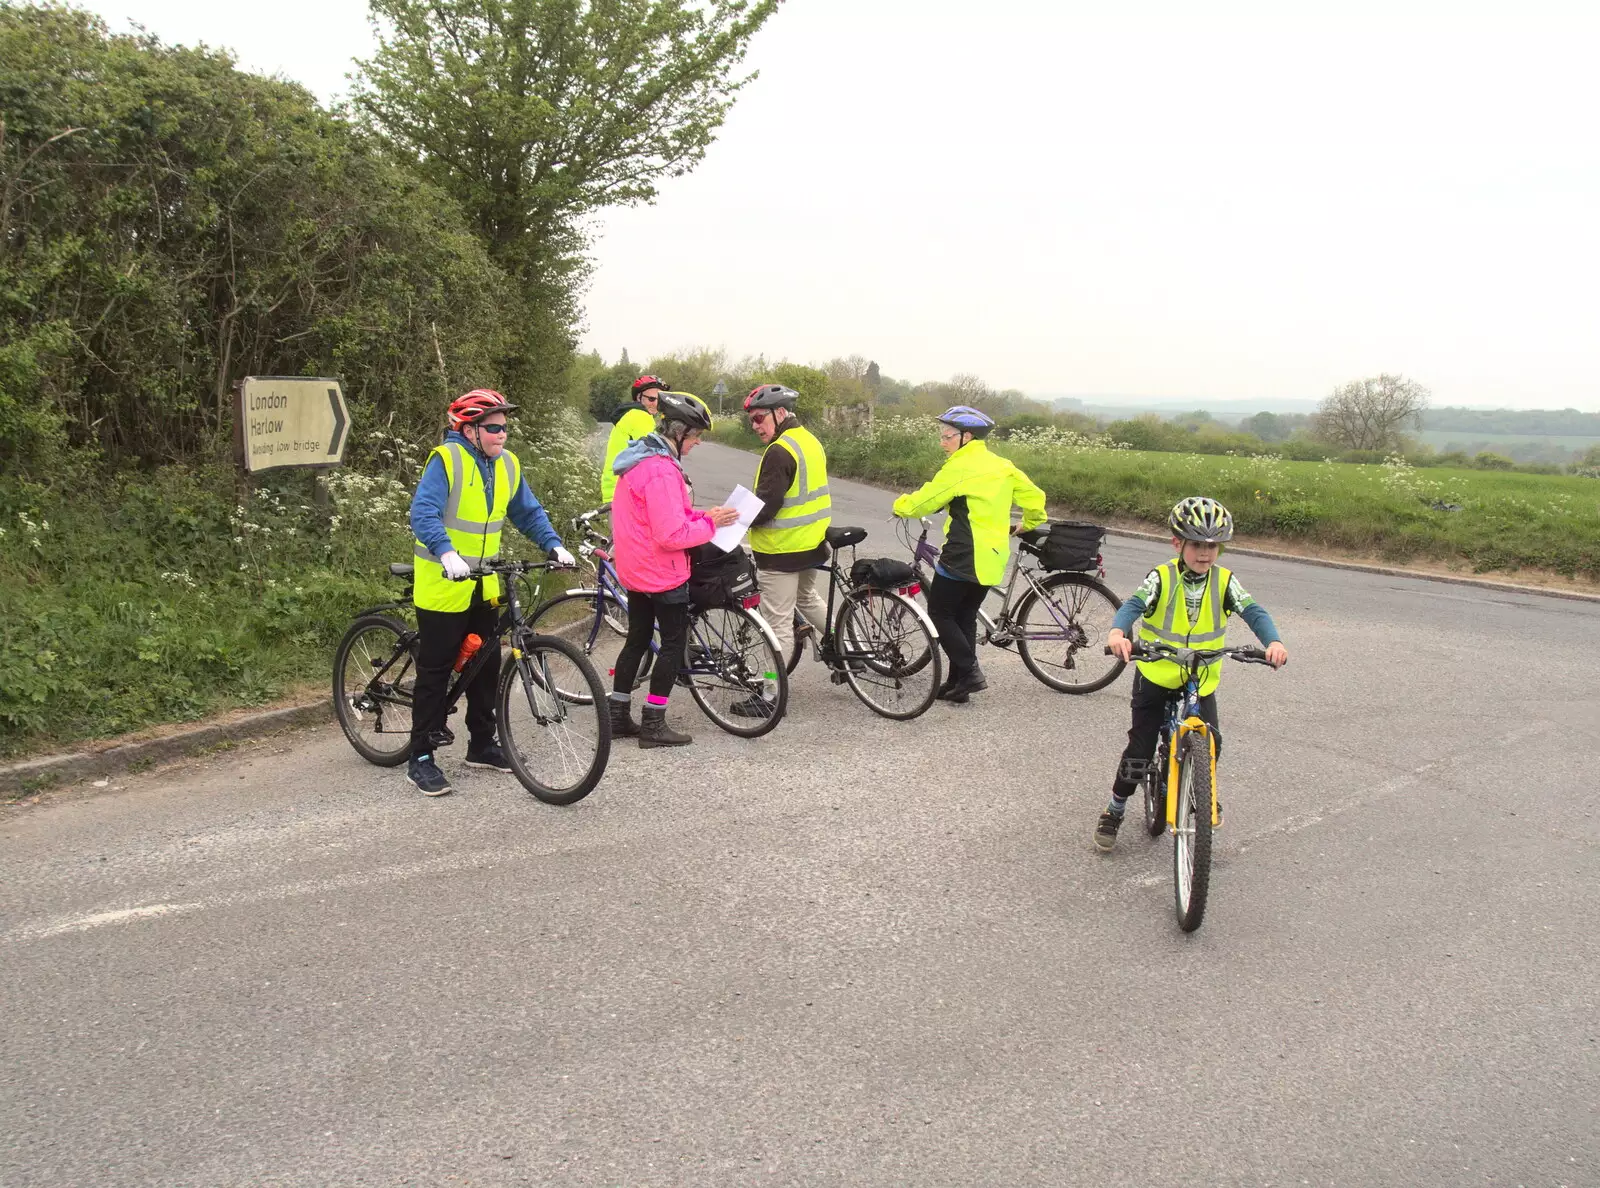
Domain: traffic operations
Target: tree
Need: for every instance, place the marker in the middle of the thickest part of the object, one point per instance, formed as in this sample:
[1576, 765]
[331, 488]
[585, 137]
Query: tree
[1371, 414]
[535, 113]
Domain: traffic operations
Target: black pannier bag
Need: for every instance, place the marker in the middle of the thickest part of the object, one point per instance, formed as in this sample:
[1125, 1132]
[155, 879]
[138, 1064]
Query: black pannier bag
[720, 579]
[882, 573]
[1072, 544]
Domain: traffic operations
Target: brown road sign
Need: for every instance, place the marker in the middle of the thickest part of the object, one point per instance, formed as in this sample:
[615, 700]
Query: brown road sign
[291, 421]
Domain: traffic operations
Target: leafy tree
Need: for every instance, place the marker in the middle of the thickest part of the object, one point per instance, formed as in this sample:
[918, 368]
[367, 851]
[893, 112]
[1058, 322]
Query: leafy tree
[1371, 414]
[535, 113]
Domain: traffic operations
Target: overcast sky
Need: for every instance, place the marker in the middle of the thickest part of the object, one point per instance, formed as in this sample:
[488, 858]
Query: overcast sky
[1161, 199]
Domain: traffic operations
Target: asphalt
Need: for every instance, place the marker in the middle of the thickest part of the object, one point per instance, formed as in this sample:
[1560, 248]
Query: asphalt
[855, 951]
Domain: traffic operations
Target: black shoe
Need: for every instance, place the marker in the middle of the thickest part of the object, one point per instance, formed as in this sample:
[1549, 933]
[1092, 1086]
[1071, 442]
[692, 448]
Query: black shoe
[654, 731]
[622, 723]
[489, 757]
[425, 774]
[753, 706]
[959, 688]
[1105, 833]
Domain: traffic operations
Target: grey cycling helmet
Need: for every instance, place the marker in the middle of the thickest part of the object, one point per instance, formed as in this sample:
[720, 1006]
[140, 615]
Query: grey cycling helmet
[685, 408]
[771, 396]
[1201, 518]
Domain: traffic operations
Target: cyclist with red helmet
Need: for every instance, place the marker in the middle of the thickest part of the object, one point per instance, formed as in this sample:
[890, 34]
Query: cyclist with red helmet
[633, 420]
[471, 485]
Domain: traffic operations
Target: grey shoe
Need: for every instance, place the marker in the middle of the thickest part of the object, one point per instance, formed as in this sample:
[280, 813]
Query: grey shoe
[622, 723]
[654, 731]
[489, 757]
[754, 706]
[1105, 833]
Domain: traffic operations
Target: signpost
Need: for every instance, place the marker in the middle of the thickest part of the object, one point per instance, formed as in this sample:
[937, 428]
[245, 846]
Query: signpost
[719, 392]
[290, 421]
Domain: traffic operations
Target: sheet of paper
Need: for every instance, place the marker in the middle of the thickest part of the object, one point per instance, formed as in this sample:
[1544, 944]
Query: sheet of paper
[748, 504]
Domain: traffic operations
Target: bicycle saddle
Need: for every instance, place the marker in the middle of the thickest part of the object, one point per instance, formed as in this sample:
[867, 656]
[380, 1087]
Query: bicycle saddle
[400, 569]
[840, 537]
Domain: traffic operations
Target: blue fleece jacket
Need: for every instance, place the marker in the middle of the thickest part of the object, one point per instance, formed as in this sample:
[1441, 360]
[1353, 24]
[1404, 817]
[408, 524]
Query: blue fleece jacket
[427, 505]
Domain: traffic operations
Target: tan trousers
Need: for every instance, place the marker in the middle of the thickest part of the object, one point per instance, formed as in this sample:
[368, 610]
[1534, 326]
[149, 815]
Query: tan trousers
[781, 593]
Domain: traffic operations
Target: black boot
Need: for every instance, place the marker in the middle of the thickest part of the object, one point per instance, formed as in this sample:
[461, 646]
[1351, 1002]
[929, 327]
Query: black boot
[622, 723]
[654, 731]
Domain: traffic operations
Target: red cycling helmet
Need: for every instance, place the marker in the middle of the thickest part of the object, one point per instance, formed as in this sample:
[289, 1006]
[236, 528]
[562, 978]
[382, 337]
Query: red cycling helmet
[477, 404]
[648, 381]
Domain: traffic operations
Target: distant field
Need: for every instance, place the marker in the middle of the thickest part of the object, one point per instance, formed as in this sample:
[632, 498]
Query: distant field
[1505, 522]
[1551, 448]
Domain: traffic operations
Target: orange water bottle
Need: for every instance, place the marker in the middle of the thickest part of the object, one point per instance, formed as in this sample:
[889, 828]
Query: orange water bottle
[469, 649]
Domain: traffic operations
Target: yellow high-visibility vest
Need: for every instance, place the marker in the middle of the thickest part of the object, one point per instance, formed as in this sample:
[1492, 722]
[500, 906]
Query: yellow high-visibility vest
[473, 525]
[802, 521]
[1168, 622]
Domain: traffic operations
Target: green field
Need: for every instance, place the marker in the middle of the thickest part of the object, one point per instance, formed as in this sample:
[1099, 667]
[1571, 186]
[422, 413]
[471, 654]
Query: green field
[1506, 521]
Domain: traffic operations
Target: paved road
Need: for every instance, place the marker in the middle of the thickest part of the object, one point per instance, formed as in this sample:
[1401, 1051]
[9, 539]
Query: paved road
[855, 952]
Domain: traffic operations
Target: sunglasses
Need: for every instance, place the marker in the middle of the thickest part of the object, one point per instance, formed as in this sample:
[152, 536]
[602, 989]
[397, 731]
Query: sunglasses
[757, 418]
[502, 427]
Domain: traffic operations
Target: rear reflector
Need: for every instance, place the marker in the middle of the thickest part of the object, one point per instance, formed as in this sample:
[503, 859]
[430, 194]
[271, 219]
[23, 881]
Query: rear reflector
[752, 601]
[911, 591]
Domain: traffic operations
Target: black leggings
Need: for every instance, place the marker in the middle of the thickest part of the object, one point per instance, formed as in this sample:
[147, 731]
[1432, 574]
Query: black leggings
[953, 607]
[1150, 703]
[669, 609]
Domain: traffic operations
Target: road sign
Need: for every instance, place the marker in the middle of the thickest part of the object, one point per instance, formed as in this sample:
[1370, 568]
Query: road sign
[720, 390]
[291, 421]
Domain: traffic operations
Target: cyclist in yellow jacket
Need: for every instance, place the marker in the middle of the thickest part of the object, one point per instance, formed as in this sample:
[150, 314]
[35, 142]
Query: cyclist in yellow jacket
[979, 489]
[632, 421]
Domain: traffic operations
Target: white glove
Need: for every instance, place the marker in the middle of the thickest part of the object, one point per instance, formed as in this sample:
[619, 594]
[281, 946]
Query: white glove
[454, 567]
[560, 556]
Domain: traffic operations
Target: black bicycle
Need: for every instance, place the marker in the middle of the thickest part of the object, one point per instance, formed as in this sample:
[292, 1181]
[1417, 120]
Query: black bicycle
[880, 642]
[557, 744]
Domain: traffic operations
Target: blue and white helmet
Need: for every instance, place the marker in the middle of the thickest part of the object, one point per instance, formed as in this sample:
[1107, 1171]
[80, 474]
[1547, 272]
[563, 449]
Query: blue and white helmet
[967, 419]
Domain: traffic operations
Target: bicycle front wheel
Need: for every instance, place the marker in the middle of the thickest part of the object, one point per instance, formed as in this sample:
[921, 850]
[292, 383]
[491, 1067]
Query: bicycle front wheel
[734, 673]
[374, 674]
[558, 745]
[1062, 629]
[1191, 849]
[590, 620]
[889, 655]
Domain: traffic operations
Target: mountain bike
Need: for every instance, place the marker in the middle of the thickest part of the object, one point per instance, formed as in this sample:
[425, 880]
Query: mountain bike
[731, 666]
[1058, 620]
[1181, 780]
[880, 642]
[557, 743]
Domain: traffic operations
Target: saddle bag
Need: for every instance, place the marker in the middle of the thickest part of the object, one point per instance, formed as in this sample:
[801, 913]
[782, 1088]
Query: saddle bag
[720, 579]
[1071, 544]
[882, 573]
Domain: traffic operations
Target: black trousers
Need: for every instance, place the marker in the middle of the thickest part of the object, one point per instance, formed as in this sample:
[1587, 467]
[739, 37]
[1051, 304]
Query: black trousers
[441, 633]
[1150, 703]
[670, 610]
[953, 607]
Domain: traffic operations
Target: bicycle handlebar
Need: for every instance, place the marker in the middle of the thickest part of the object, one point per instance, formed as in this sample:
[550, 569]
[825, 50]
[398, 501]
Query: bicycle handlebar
[506, 568]
[1182, 656]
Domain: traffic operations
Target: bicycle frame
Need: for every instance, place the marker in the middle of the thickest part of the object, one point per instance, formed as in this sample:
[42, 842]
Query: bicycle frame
[1184, 719]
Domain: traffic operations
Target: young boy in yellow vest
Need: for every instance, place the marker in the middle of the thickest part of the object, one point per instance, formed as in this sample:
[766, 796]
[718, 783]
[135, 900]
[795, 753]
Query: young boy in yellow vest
[471, 485]
[1188, 597]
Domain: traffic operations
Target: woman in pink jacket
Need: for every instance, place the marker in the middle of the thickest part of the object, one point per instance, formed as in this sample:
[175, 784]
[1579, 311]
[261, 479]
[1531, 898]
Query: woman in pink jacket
[653, 524]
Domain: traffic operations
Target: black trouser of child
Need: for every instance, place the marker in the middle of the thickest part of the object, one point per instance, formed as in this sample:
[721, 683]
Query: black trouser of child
[1150, 703]
[670, 610]
[439, 643]
[953, 606]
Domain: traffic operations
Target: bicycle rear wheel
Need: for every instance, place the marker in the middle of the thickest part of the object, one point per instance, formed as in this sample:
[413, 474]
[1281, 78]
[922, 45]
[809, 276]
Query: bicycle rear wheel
[572, 616]
[1062, 633]
[889, 655]
[374, 674]
[1191, 848]
[558, 745]
[733, 670]
[802, 635]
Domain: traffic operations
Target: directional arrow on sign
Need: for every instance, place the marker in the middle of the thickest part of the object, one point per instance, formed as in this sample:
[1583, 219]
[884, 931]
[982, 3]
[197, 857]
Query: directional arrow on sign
[339, 421]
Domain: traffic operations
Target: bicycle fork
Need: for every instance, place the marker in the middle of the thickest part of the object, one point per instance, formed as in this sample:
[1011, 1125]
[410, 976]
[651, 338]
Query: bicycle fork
[1191, 725]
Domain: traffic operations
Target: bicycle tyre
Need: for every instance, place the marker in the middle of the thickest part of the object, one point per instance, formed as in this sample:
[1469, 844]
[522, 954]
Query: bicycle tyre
[1089, 642]
[1155, 793]
[352, 716]
[802, 632]
[1191, 845]
[900, 654]
[521, 673]
[739, 659]
[557, 616]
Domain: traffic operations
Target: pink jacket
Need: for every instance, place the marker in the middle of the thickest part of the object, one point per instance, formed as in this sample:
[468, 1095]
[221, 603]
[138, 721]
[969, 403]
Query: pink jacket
[652, 523]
